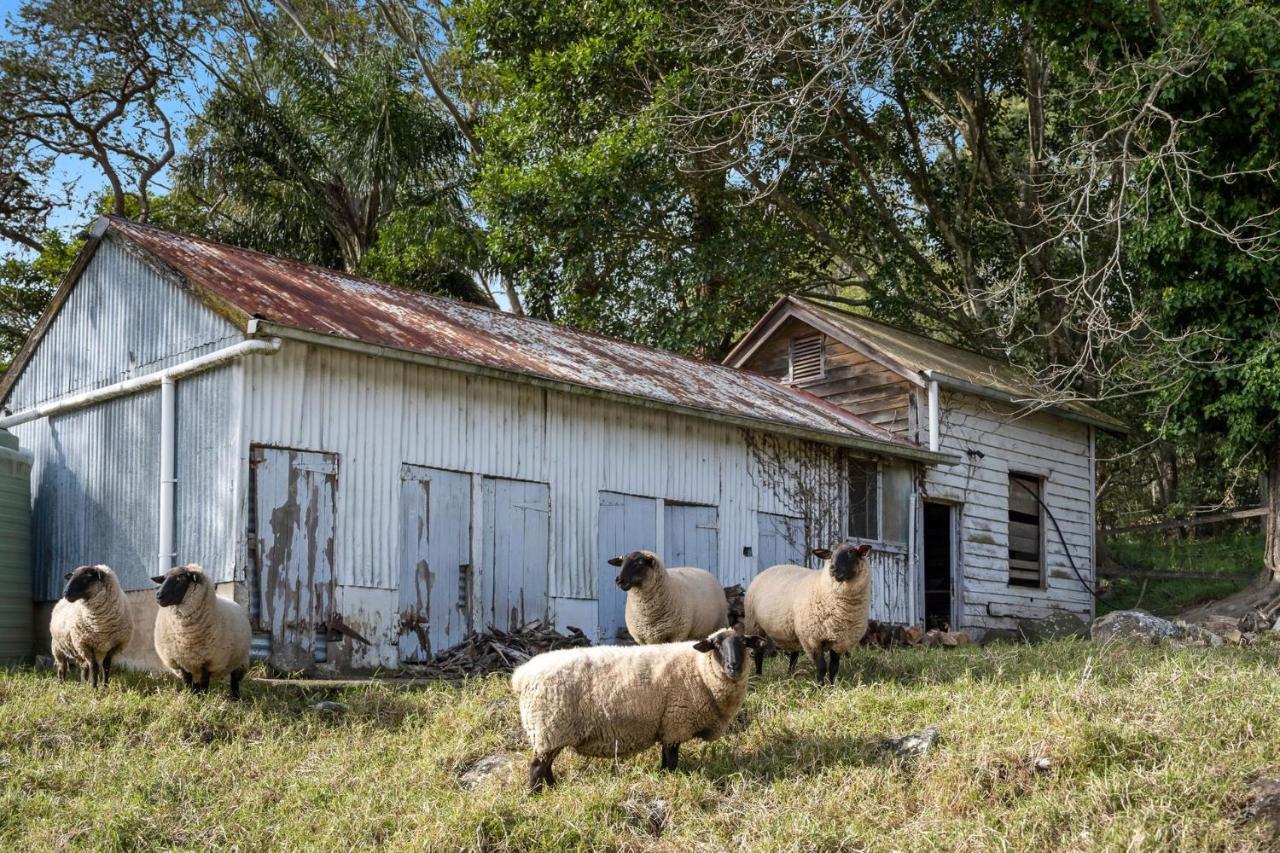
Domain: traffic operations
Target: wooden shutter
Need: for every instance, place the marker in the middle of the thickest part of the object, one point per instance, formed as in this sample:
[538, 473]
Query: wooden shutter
[807, 363]
[1026, 558]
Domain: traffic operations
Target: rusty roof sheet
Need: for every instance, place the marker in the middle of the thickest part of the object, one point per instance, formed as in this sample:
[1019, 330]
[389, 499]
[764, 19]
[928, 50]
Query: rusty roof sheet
[245, 284]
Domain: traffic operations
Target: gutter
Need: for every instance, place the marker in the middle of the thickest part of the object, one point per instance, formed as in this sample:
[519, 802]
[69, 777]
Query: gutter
[165, 378]
[871, 445]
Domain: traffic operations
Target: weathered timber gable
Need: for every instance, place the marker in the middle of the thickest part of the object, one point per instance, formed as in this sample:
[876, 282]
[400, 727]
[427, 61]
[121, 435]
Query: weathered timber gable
[851, 379]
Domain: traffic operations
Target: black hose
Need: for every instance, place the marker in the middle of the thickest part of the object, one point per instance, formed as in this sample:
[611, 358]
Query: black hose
[1066, 549]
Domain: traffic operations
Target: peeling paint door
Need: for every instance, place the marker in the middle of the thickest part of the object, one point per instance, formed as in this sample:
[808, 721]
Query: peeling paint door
[781, 541]
[627, 523]
[692, 534]
[296, 494]
[517, 537]
[435, 560]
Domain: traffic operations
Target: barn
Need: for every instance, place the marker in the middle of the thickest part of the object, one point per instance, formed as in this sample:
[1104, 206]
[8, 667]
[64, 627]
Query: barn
[374, 472]
[1006, 536]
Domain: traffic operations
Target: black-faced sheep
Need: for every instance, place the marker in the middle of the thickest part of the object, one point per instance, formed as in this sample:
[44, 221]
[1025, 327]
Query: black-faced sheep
[611, 701]
[669, 605]
[821, 612]
[200, 636]
[90, 624]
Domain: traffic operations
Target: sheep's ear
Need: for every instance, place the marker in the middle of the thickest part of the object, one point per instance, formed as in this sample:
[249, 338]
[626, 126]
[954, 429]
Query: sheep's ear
[753, 642]
[862, 550]
[615, 561]
[821, 553]
[703, 646]
[157, 579]
[67, 576]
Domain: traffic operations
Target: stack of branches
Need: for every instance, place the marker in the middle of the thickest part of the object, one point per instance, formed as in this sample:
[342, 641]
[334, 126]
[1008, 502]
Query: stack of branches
[885, 635]
[498, 651]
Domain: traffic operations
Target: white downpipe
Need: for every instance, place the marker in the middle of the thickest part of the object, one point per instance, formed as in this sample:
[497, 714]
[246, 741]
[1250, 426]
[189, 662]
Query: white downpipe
[934, 438]
[128, 386]
[917, 577]
[168, 474]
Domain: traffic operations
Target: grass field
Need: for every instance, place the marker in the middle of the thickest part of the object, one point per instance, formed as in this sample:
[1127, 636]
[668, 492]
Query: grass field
[1145, 748]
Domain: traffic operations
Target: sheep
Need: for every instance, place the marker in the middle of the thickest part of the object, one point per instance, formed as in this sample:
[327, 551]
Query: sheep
[614, 701]
[90, 624]
[669, 605]
[199, 636]
[819, 613]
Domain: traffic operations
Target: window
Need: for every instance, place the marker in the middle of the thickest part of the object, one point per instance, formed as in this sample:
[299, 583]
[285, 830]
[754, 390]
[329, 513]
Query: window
[1026, 560]
[864, 500]
[807, 359]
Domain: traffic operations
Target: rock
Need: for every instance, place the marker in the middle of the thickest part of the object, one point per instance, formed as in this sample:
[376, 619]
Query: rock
[650, 815]
[1001, 635]
[913, 745]
[1263, 807]
[1194, 635]
[500, 765]
[1042, 765]
[1061, 624]
[1232, 636]
[1134, 625]
[328, 707]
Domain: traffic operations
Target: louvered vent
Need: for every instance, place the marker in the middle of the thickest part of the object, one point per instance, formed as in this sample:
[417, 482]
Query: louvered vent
[806, 359]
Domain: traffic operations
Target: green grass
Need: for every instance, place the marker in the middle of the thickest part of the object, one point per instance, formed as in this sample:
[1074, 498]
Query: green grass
[1147, 747]
[1235, 557]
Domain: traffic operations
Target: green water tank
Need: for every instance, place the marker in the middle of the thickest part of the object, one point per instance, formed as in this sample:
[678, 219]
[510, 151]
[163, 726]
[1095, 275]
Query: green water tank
[16, 628]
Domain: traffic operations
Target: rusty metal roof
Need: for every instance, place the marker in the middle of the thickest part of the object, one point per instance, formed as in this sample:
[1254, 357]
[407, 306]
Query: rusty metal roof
[243, 284]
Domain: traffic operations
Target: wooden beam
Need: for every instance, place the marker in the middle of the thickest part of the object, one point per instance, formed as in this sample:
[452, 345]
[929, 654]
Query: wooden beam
[1255, 512]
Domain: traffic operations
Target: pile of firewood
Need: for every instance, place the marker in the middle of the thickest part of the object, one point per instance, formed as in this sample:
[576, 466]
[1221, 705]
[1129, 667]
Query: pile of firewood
[737, 597]
[497, 651]
[885, 635]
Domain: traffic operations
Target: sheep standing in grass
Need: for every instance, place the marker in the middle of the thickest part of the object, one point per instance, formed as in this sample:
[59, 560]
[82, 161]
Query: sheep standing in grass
[90, 624]
[669, 605]
[611, 701]
[199, 636]
[820, 613]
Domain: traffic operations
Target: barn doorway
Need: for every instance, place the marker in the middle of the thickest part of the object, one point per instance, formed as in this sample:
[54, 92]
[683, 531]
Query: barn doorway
[939, 559]
[627, 523]
[516, 548]
[435, 561]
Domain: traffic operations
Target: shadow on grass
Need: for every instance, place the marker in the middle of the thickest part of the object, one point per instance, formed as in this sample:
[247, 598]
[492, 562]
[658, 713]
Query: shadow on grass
[788, 754]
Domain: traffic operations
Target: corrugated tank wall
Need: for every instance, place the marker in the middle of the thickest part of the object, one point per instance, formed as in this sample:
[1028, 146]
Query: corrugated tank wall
[122, 319]
[15, 557]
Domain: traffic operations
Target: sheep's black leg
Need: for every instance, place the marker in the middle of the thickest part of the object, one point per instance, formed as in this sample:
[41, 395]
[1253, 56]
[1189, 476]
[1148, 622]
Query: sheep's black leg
[236, 675]
[758, 653]
[203, 685]
[106, 670]
[188, 681]
[820, 661]
[95, 668]
[792, 659]
[540, 775]
[670, 756]
[85, 669]
[834, 667]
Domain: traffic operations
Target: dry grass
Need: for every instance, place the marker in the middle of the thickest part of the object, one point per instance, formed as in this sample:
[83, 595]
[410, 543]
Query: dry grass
[1144, 749]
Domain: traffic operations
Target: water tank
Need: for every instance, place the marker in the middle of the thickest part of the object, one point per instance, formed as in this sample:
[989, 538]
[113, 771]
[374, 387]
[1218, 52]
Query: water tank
[16, 629]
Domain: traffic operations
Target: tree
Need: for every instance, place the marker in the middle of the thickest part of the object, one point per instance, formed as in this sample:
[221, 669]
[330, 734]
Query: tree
[26, 286]
[589, 207]
[94, 81]
[323, 151]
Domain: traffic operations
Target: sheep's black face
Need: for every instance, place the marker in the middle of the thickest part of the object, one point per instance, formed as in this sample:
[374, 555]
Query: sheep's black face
[848, 561]
[174, 585]
[730, 648]
[636, 566]
[83, 583]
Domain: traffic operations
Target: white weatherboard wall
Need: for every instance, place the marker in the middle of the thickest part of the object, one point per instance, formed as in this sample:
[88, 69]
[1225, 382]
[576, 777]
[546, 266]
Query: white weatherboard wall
[377, 414]
[1038, 443]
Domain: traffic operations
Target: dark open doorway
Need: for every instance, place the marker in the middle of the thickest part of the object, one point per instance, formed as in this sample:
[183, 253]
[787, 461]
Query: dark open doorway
[938, 540]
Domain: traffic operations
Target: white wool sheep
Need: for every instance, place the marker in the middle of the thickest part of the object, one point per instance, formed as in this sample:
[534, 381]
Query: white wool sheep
[669, 605]
[612, 701]
[819, 613]
[91, 623]
[200, 636]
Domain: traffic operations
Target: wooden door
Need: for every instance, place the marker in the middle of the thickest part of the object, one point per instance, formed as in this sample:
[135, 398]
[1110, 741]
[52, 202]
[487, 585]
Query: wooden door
[627, 523]
[692, 536]
[435, 561]
[780, 541]
[517, 539]
[295, 493]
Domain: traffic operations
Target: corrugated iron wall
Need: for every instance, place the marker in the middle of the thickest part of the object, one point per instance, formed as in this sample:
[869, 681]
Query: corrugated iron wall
[96, 471]
[121, 320]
